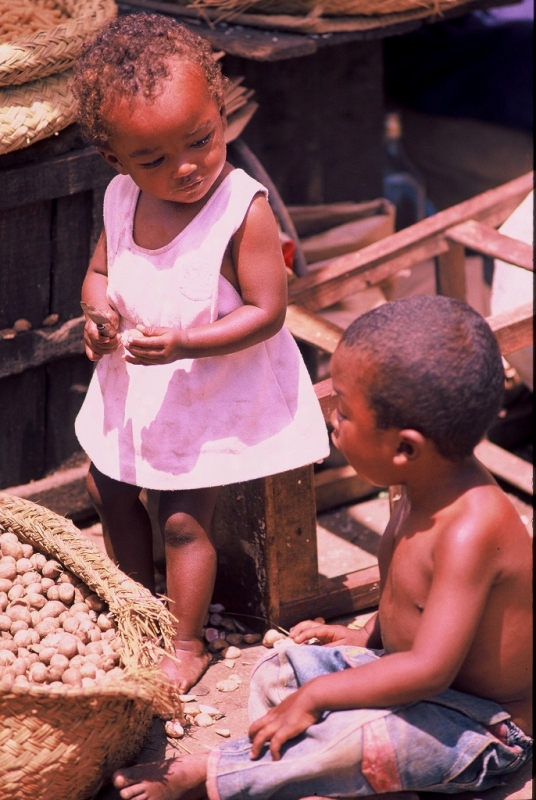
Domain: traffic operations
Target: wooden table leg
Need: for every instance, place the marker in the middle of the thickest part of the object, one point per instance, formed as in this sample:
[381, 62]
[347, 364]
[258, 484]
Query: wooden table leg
[265, 535]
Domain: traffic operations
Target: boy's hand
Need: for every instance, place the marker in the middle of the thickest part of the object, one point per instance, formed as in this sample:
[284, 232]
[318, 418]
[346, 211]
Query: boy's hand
[155, 346]
[283, 722]
[97, 345]
[330, 635]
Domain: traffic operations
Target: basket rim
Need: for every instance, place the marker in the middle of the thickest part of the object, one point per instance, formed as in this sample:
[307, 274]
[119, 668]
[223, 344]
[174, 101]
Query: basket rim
[143, 622]
[116, 687]
[38, 55]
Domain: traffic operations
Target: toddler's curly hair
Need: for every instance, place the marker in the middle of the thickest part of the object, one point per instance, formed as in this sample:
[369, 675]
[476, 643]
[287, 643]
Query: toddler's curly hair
[130, 56]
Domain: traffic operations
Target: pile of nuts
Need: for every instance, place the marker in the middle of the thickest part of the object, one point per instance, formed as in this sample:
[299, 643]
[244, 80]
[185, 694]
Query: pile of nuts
[54, 630]
[224, 633]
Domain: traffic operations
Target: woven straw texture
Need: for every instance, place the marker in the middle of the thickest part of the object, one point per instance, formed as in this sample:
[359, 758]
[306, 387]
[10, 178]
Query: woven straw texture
[34, 111]
[56, 49]
[319, 8]
[64, 743]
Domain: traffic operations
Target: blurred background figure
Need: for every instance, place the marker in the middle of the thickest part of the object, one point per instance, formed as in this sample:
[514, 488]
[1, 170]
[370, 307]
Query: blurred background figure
[464, 90]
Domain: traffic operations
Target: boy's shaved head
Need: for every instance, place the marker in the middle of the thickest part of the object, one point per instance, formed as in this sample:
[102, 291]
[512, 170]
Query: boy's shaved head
[434, 366]
[128, 59]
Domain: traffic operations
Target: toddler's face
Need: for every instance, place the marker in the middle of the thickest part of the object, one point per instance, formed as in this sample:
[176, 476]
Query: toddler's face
[172, 146]
[367, 448]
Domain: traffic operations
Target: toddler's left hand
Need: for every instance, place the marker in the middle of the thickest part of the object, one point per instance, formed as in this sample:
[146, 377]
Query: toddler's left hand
[283, 722]
[154, 346]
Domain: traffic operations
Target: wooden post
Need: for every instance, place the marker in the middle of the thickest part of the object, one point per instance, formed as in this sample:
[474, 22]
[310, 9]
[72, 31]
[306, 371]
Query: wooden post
[451, 272]
[265, 535]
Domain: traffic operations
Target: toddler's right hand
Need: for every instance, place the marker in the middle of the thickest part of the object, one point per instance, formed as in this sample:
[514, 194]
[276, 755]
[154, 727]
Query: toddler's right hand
[97, 345]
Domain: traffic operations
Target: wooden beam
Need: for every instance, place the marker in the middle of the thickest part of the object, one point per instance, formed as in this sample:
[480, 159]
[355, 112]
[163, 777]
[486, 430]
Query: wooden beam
[338, 486]
[513, 329]
[64, 175]
[326, 397]
[252, 43]
[485, 239]
[506, 465]
[344, 594]
[37, 347]
[404, 249]
[451, 272]
[265, 531]
[311, 328]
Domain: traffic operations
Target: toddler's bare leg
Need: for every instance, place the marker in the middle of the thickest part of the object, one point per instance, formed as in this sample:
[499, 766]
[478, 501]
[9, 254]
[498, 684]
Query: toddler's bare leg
[126, 525]
[185, 519]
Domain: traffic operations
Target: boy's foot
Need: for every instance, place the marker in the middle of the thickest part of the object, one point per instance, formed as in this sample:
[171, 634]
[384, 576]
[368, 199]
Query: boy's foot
[192, 661]
[182, 777]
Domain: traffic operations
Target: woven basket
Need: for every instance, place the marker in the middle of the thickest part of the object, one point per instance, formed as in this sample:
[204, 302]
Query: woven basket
[64, 743]
[55, 49]
[34, 111]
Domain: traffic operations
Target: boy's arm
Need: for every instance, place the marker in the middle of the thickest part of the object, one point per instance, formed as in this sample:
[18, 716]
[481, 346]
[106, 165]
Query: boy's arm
[464, 571]
[94, 293]
[262, 277]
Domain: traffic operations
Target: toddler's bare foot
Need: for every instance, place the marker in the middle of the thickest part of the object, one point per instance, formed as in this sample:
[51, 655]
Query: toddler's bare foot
[193, 660]
[181, 777]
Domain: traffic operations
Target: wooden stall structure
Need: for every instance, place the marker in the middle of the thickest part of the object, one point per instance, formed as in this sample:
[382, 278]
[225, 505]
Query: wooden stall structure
[266, 529]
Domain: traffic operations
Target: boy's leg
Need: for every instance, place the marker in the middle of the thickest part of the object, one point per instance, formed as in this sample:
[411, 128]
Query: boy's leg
[126, 525]
[185, 520]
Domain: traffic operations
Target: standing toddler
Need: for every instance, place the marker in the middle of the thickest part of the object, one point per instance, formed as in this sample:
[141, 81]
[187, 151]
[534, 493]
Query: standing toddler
[197, 383]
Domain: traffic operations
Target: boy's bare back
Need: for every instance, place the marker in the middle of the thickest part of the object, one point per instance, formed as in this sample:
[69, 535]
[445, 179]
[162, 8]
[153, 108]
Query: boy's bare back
[458, 562]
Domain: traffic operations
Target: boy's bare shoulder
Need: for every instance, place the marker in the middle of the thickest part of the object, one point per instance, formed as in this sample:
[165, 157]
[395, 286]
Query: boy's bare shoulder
[484, 522]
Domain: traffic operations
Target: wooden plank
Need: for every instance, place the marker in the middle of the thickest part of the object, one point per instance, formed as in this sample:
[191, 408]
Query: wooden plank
[326, 397]
[309, 327]
[62, 176]
[22, 427]
[344, 594]
[338, 486]
[404, 249]
[25, 264]
[313, 219]
[67, 382]
[451, 272]
[71, 233]
[513, 329]
[38, 347]
[250, 43]
[506, 465]
[485, 239]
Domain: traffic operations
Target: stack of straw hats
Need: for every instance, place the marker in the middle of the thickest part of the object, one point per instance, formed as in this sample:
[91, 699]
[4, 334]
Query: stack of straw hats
[35, 67]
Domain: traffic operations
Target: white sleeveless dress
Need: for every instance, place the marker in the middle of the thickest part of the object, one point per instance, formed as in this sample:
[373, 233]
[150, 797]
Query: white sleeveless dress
[196, 422]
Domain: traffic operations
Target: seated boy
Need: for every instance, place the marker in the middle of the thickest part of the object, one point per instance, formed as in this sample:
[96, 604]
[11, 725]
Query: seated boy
[434, 693]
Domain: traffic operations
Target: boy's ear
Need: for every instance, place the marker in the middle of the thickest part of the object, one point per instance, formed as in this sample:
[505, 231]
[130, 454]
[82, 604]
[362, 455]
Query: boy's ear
[409, 448]
[113, 161]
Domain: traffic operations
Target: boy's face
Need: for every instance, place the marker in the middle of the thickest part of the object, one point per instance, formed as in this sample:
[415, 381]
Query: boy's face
[173, 145]
[367, 448]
